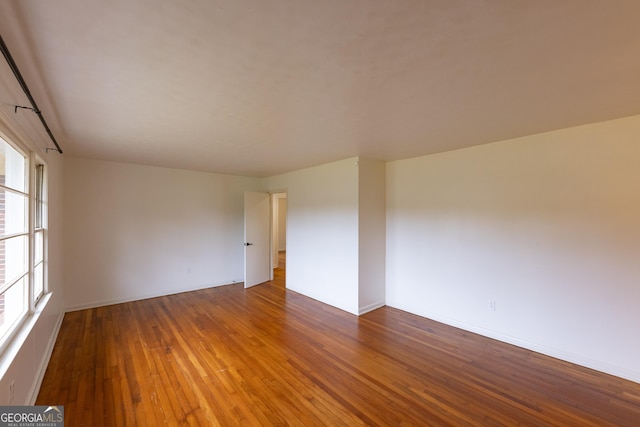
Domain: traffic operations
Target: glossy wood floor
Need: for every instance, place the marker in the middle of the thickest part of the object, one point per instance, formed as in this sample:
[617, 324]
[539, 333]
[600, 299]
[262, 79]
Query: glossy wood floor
[266, 356]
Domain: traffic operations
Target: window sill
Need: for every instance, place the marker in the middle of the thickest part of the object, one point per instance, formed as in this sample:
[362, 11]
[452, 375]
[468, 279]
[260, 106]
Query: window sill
[18, 341]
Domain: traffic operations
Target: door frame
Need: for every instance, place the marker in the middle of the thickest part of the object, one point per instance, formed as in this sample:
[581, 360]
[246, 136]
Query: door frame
[274, 196]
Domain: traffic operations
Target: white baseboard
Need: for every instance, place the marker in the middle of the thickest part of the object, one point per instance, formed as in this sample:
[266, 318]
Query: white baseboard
[370, 307]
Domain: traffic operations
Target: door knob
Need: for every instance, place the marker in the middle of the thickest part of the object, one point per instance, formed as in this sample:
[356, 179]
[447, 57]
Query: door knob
[248, 244]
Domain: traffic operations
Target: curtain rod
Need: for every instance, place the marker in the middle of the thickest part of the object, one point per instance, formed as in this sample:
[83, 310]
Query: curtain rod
[25, 89]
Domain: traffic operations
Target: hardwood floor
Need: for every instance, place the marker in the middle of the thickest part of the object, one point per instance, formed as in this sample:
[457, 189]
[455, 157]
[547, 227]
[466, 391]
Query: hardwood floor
[267, 356]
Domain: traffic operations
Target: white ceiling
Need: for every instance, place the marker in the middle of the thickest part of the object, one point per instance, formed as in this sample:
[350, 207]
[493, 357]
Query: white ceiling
[259, 87]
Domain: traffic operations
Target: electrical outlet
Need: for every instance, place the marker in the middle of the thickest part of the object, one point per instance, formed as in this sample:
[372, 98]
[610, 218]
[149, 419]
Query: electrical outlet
[12, 393]
[492, 305]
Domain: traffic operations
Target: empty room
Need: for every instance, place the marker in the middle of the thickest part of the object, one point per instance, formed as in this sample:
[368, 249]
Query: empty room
[280, 212]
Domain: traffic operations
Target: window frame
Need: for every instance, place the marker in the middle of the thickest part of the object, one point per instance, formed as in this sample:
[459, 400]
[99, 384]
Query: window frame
[33, 196]
[38, 225]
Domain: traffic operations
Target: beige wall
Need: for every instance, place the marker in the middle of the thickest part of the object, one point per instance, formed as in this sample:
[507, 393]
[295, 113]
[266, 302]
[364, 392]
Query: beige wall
[135, 231]
[335, 232]
[371, 234]
[322, 232]
[547, 226]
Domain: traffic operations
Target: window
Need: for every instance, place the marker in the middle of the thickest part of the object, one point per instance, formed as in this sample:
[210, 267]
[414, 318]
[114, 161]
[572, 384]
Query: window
[22, 241]
[14, 237]
[39, 228]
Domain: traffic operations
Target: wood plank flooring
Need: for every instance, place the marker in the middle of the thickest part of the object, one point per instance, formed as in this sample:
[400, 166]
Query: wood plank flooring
[267, 356]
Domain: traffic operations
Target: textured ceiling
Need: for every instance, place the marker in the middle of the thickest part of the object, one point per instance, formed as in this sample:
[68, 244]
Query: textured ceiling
[259, 87]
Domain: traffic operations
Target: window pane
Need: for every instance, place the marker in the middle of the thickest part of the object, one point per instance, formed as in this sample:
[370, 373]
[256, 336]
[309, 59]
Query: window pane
[39, 196]
[38, 281]
[12, 167]
[13, 258]
[12, 305]
[13, 213]
[38, 247]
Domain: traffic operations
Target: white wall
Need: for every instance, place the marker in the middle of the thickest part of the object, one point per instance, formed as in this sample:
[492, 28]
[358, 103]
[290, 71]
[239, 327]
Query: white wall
[547, 226]
[282, 223]
[371, 234]
[135, 231]
[322, 232]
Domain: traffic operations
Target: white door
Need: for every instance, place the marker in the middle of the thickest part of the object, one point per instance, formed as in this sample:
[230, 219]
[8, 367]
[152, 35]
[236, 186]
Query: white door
[256, 239]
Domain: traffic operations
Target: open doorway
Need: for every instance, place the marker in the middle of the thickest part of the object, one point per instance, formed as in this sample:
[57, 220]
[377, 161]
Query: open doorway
[279, 237]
